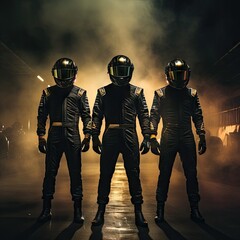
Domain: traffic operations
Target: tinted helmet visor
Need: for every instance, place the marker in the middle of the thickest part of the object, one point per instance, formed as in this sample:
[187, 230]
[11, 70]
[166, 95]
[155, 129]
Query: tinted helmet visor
[120, 71]
[64, 74]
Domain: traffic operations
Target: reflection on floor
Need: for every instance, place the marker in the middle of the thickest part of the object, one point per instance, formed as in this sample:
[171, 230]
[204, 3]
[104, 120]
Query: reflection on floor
[21, 204]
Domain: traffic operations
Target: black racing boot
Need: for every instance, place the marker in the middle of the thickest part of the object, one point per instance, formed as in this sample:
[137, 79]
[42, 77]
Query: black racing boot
[78, 216]
[99, 218]
[159, 218]
[46, 211]
[196, 215]
[139, 218]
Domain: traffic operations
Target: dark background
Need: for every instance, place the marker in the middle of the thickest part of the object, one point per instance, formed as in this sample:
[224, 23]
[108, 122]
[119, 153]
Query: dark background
[34, 34]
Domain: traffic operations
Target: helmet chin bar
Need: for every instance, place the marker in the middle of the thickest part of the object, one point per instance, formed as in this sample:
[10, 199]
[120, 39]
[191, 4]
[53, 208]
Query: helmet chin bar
[120, 81]
[64, 83]
[177, 84]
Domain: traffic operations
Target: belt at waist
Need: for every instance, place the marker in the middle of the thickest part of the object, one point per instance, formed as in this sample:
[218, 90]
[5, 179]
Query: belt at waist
[172, 125]
[62, 124]
[177, 125]
[120, 126]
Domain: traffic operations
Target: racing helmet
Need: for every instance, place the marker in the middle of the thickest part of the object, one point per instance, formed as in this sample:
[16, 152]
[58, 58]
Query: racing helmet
[64, 72]
[177, 73]
[120, 70]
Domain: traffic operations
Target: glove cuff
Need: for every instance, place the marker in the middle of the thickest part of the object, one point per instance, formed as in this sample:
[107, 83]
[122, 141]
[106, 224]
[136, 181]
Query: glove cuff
[42, 139]
[202, 137]
[146, 136]
[87, 136]
[95, 137]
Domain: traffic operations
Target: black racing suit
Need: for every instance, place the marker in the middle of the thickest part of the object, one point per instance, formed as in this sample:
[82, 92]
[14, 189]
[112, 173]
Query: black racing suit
[120, 106]
[64, 105]
[177, 108]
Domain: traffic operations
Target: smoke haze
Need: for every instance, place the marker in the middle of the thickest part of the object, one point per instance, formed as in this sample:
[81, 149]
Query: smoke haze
[149, 32]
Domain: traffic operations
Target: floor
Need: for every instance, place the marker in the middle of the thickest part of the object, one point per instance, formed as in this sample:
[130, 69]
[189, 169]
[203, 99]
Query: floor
[20, 204]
